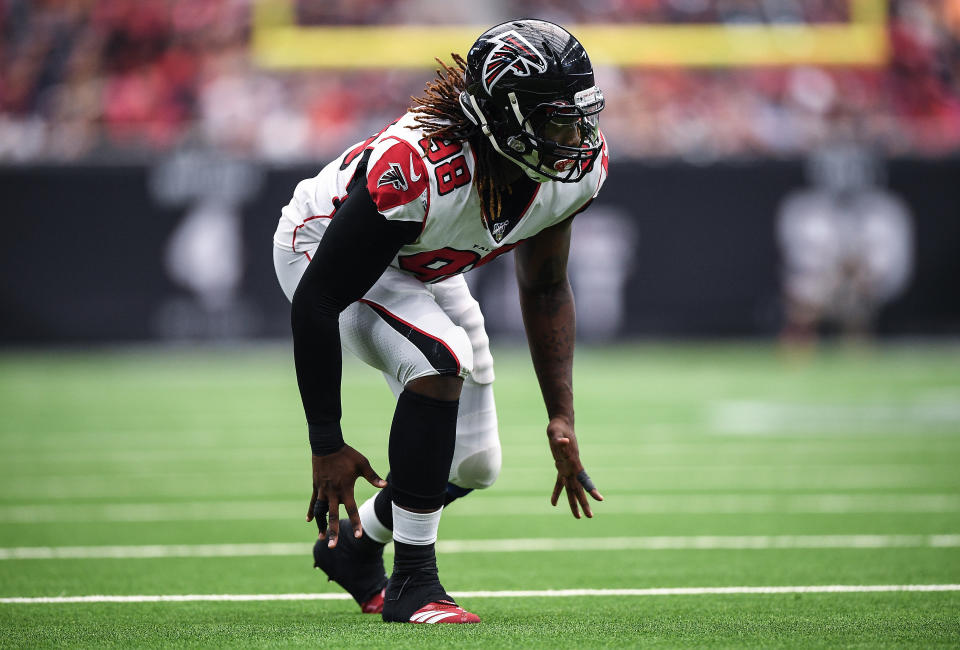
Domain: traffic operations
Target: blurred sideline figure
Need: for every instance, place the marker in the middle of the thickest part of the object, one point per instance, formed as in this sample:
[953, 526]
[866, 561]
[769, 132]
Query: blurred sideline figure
[847, 248]
[501, 152]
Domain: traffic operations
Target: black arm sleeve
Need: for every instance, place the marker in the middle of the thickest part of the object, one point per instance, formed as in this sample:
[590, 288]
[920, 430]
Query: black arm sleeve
[357, 246]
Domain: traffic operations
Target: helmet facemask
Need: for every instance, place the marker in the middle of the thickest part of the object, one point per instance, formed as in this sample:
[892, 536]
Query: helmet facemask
[555, 140]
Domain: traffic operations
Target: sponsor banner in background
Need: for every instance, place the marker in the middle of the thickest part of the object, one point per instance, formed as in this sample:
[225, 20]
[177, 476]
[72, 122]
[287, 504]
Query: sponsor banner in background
[181, 250]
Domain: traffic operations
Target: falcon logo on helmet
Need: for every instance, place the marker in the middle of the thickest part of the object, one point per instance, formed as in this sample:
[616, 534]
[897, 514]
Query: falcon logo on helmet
[513, 53]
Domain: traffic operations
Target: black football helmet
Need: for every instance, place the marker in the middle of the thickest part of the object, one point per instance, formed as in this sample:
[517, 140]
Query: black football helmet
[530, 91]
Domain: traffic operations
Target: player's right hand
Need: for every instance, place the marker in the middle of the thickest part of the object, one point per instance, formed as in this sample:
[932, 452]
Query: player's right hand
[334, 476]
[571, 477]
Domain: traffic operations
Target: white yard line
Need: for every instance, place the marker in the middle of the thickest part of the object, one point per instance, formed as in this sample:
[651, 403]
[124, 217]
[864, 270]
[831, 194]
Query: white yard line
[662, 543]
[545, 593]
[492, 504]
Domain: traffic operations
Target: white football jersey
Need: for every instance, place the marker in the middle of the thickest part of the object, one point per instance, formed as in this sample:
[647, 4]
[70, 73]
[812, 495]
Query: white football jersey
[413, 178]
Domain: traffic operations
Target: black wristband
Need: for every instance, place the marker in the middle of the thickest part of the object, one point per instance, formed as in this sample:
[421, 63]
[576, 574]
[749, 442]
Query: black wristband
[325, 438]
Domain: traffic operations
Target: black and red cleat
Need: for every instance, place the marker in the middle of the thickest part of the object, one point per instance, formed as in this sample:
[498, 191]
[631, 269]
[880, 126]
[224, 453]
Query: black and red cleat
[374, 605]
[420, 598]
[356, 565]
[443, 611]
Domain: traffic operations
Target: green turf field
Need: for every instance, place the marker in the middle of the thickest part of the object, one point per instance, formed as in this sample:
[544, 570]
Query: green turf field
[185, 472]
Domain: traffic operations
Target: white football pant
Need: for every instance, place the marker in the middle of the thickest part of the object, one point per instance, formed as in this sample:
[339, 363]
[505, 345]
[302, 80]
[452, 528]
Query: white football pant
[407, 329]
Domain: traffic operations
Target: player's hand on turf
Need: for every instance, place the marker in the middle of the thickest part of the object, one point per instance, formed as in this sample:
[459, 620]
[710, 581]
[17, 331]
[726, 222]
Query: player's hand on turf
[334, 476]
[571, 477]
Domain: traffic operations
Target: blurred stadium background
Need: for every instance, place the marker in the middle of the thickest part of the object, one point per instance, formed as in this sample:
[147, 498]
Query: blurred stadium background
[779, 165]
[781, 171]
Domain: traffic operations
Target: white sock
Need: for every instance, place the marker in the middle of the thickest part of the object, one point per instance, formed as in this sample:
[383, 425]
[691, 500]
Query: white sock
[373, 527]
[417, 528]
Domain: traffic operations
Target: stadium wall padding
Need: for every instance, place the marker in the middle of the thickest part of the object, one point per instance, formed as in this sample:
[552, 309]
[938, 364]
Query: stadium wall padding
[182, 250]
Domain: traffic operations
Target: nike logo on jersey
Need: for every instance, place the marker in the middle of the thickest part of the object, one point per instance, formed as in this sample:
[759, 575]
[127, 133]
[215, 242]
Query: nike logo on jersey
[414, 176]
[394, 176]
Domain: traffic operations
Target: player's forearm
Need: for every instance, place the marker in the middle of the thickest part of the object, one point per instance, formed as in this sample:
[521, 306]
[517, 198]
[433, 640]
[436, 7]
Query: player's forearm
[317, 356]
[550, 323]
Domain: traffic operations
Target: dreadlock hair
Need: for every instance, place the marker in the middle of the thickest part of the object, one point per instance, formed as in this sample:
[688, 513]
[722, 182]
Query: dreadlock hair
[438, 113]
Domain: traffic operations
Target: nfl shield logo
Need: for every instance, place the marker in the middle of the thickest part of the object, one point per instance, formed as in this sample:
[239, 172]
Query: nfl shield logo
[497, 230]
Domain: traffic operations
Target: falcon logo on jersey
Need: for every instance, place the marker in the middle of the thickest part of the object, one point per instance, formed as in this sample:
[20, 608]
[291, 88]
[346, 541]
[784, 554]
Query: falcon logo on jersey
[394, 176]
[513, 53]
[397, 180]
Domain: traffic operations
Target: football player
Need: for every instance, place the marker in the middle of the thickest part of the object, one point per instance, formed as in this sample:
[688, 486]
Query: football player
[499, 154]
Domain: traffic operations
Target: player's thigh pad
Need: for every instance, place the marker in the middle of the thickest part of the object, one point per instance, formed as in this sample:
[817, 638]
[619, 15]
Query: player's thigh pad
[397, 327]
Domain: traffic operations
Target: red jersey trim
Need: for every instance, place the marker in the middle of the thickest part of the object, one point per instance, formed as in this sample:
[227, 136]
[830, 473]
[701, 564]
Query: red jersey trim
[293, 240]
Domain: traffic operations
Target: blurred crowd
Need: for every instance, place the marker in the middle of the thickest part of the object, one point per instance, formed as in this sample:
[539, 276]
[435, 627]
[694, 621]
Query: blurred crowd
[116, 78]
